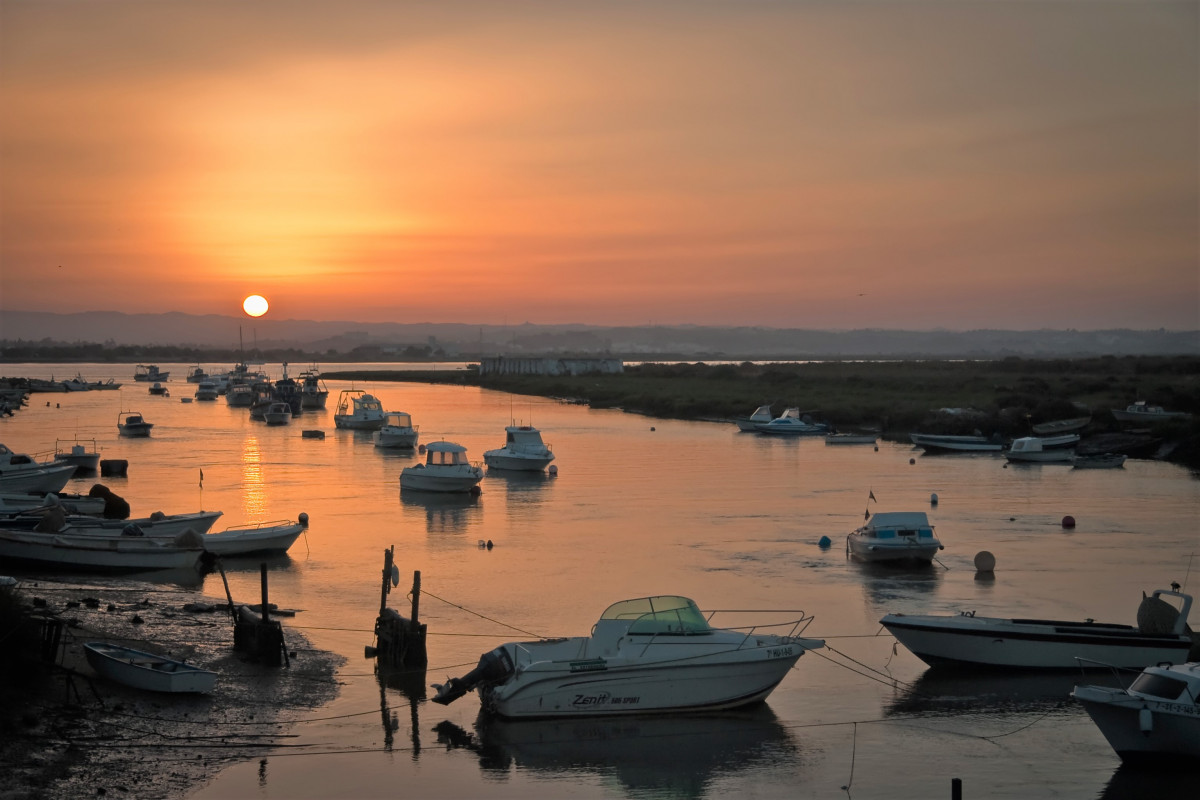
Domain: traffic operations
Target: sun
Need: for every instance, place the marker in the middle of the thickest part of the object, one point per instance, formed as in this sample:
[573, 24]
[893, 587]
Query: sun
[255, 305]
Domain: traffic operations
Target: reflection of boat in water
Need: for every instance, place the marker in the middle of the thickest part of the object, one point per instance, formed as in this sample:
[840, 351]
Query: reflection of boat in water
[671, 756]
[984, 691]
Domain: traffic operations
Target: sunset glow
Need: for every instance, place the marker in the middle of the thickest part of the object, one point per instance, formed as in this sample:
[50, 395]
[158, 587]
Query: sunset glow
[255, 305]
[909, 165]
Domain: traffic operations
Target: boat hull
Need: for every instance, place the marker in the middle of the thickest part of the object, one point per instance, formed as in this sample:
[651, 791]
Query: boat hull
[273, 540]
[402, 440]
[95, 553]
[147, 671]
[715, 681]
[502, 459]
[356, 423]
[426, 480]
[875, 550]
[966, 641]
[933, 443]
[1042, 457]
[45, 479]
[1173, 733]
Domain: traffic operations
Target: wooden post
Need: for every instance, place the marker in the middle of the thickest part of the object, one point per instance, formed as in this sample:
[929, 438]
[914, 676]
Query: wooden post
[416, 599]
[387, 578]
[266, 616]
[956, 788]
[228, 594]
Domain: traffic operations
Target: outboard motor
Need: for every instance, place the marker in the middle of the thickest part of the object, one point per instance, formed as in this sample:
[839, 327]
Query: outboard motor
[493, 667]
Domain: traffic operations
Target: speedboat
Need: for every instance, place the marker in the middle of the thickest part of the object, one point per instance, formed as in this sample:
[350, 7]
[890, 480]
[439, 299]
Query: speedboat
[358, 411]
[1033, 449]
[646, 655]
[397, 431]
[789, 423]
[968, 640]
[149, 373]
[523, 450]
[277, 414]
[85, 460]
[760, 416]
[446, 469]
[20, 473]
[131, 423]
[894, 536]
[938, 443]
[207, 390]
[1141, 412]
[1156, 720]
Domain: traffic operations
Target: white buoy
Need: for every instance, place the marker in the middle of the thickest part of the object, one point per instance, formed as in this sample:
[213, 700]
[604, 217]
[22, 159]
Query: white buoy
[984, 561]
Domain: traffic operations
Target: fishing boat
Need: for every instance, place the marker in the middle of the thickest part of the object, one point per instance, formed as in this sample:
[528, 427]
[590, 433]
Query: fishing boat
[240, 395]
[894, 536]
[157, 524]
[197, 375]
[1156, 721]
[85, 552]
[1034, 450]
[969, 640]
[357, 410]
[21, 473]
[77, 453]
[938, 443]
[277, 413]
[141, 670]
[17, 502]
[133, 424]
[523, 450]
[207, 390]
[396, 432]
[646, 655]
[259, 539]
[148, 373]
[446, 469]
[1141, 412]
[313, 393]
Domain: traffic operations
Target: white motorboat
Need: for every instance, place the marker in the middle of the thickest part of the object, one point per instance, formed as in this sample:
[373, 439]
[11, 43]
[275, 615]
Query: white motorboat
[148, 671]
[157, 524]
[132, 423]
[1156, 720]
[77, 384]
[240, 395]
[19, 502]
[397, 431]
[894, 536]
[148, 373]
[85, 460]
[207, 390]
[968, 640]
[1033, 449]
[938, 443]
[89, 553]
[264, 538]
[523, 450]
[313, 393]
[647, 655]
[277, 414]
[760, 416]
[20, 473]
[1099, 461]
[446, 469]
[358, 411]
[1142, 413]
[790, 423]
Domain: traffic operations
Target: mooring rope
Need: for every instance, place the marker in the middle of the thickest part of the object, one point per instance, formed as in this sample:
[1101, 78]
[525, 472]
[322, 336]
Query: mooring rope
[426, 593]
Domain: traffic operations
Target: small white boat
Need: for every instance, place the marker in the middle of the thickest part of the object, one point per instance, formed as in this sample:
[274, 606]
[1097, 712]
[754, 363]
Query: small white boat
[147, 671]
[760, 416]
[1033, 450]
[523, 450]
[1156, 721]
[894, 536]
[938, 443]
[86, 552]
[1143, 413]
[397, 431]
[789, 423]
[22, 473]
[77, 384]
[851, 438]
[277, 414]
[207, 390]
[357, 410]
[446, 469]
[240, 395]
[85, 460]
[18, 503]
[156, 525]
[313, 393]
[968, 640]
[647, 655]
[132, 423]
[1099, 461]
[264, 538]
[159, 389]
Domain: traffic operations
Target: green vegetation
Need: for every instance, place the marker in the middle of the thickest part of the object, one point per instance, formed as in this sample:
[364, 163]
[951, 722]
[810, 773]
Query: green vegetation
[894, 397]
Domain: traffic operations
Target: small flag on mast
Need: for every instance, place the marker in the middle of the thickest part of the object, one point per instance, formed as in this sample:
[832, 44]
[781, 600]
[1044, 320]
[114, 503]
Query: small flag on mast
[871, 495]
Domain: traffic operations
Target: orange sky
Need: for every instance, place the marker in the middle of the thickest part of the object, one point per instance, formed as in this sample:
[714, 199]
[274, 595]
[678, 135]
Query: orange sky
[787, 164]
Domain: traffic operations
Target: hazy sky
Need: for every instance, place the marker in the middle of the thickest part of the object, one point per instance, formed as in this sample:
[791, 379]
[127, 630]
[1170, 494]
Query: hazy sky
[790, 164]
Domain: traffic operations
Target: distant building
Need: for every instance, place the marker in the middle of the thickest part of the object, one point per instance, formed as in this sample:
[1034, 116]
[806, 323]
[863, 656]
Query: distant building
[512, 365]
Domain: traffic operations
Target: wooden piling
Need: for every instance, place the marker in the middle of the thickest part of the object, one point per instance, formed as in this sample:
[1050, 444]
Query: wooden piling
[399, 642]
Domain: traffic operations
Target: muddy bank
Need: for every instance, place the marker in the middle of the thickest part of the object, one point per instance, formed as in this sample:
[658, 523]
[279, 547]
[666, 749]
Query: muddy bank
[67, 733]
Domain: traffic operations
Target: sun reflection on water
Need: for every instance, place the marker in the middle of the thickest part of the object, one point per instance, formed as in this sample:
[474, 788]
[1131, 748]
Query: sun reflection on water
[254, 495]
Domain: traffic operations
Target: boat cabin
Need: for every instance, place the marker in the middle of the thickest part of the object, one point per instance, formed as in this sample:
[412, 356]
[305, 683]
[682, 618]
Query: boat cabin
[900, 524]
[445, 454]
[397, 419]
[666, 614]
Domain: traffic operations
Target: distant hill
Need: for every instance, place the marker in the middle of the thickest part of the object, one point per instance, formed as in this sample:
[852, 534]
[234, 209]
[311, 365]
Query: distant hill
[685, 342]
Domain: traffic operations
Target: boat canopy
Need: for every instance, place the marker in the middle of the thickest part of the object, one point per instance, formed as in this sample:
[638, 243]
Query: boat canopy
[397, 419]
[663, 614]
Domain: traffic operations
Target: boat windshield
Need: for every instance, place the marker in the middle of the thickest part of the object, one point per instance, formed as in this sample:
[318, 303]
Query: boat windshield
[1157, 685]
[666, 614]
[445, 458]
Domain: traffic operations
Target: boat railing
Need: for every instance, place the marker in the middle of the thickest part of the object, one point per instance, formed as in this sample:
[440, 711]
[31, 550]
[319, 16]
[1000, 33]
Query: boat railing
[278, 523]
[794, 627]
[1086, 664]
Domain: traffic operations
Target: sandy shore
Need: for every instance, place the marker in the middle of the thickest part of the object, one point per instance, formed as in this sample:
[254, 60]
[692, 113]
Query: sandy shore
[72, 734]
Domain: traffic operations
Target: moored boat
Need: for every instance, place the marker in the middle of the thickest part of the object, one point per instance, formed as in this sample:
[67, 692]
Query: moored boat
[1156, 721]
[1060, 426]
[148, 671]
[790, 423]
[894, 536]
[851, 438]
[1034, 450]
[156, 525]
[446, 469]
[277, 413]
[1099, 461]
[21, 473]
[760, 416]
[939, 443]
[148, 373]
[85, 460]
[357, 410]
[207, 390]
[646, 655]
[263, 538]
[85, 552]
[133, 424]
[313, 393]
[1142, 412]
[523, 450]
[969, 640]
[397, 432]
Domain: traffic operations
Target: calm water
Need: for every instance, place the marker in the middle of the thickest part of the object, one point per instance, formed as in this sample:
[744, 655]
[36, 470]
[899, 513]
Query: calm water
[644, 506]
